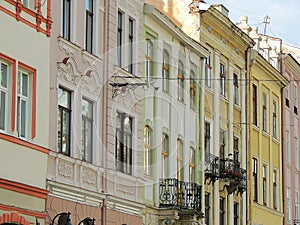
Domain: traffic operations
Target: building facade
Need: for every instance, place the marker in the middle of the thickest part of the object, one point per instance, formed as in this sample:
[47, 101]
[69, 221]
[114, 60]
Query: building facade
[172, 106]
[24, 85]
[290, 145]
[265, 135]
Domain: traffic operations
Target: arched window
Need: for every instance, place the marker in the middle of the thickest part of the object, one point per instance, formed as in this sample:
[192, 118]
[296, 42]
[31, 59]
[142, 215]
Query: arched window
[192, 165]
[147, 150]
[192, 90]
[165, 155]
[179, 171]
[149, 59]
[165, 71]
[180, 79]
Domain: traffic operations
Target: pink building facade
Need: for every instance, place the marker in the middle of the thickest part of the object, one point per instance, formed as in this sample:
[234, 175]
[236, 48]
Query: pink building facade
[291, 138]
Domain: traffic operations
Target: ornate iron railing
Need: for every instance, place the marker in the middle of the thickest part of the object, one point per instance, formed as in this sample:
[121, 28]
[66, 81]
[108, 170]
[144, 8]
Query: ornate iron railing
[230, 169]
[211, 165]
[179, 194]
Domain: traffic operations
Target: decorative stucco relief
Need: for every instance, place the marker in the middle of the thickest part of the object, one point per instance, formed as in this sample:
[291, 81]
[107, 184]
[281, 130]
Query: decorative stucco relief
[65, 170]
[67, 71]
[67, 46]
[91, 83]
[89, 176]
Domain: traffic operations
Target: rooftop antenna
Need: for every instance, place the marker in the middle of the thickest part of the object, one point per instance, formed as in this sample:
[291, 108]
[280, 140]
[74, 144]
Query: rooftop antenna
[266, 22]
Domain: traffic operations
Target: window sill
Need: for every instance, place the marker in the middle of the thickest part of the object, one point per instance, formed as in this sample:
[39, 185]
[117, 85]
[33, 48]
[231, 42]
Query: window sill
[266, 134]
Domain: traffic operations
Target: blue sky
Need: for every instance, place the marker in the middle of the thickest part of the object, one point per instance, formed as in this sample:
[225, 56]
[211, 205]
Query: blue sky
[284, 16]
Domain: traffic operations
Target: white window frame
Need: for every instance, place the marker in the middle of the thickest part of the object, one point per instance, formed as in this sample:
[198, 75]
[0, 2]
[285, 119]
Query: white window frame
[289, 205]
[5, 91]
[91, 13]
[208, 71]
[148, 140]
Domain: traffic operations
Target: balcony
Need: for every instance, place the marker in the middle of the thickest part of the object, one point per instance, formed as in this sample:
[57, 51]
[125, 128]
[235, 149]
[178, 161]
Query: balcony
[230, 169]
[242, 186]
[175, 194]
[211, 166]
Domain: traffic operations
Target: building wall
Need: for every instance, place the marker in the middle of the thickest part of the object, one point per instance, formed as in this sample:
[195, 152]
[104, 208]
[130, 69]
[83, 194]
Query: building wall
[24, 47]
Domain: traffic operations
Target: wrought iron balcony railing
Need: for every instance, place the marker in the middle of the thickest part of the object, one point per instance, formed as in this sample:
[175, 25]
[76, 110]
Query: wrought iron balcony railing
[211, 166]
[179, 194]
[230, 169]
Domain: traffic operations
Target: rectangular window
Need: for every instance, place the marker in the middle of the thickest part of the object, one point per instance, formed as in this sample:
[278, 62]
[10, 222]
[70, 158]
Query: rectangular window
[207, 209]
[236, 213]
[254, 102]
[192, 90]
[165, 70]
[64, 121]
[124, 143]
[222, 211]
[297, 206]
[296, 147]
[295, 99]
[192, 165]
[207, 141]
[265, 191]
[89, 13]
[287, 96]
[288, 150]
[236, 149]
[264, 113]
[274, 189]
[3, 95]
[147, 150]
[22, 103]
[130, 45]
[222, 150]
[236, 89]
[255, 184]
[207, 72]
[165, 155]
[222, 80]
[29, 4]
[289, 205]
[66, 19]
[149, 59]
[120, 38]
[87, 130]
[180, 80]
[274, 119]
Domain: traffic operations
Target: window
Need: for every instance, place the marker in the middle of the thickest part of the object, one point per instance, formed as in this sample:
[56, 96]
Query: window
[254, 102]
[222, 148]
[287, 96]
[180, 78]
[149, 59]
[207, 72]
[165, 155]
[296, 99]
[66, 19]
[29, 4]
[288, 150]
[207, 209]
[236, 89]
[222, 79]
[236, 149]
[274, 119]
[255, 181]
[130, 45]
[297, 206]
[296, 147]
[192, 165]
[222, 211]
[289, 205]
[64, 121]
[89, 13]
[274, 189]
[264, 112]
[87, 130]
[207, 141]
[179, 146]
[3, 94]
[236, 213]
[147, 150]
[165, 71]
[265, 191]
[124, 143]
[192, 90]
[120, 38]
[22, 103]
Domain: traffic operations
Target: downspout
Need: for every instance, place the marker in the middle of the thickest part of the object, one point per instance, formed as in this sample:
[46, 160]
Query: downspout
[105, 112]
[248, 68]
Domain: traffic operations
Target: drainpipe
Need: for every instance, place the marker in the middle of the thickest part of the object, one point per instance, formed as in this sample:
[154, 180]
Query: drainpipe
[105, 112]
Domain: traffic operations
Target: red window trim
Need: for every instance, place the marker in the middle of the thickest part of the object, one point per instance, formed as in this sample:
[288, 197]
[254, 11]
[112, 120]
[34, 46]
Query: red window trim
[13, 88]
[33, 109]
[40, 20]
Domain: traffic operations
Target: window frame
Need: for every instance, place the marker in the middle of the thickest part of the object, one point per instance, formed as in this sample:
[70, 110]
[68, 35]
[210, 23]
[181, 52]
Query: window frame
[166, 71]
[274, 119]
[265, 112]
[193, 90]
[275, 190]
[255, 178]
[236, 89]
[265, 184]
[149, 59]
[207, 204]
[120, 37]
[222, 211]
[254, 104]
[131, 37]
[148, 133]
[208, 72]
[223, 79]
[89, 17]
[22, 126]
[179, 159]
[236, 213]
[180, 81]
[5, 90]
[192, 165]
[85, 120]
[66, 19]
[165, 149]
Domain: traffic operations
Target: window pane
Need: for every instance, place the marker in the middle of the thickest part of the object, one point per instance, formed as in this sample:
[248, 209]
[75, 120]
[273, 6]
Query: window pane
[65, 133]
[64, 98]
[23, 117]
[2, 110]
[25, 84]
[87, 108]
[3, 75]
[66, 19]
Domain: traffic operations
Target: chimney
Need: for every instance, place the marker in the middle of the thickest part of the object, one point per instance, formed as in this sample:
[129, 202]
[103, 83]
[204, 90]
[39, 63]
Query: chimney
[222, 9]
